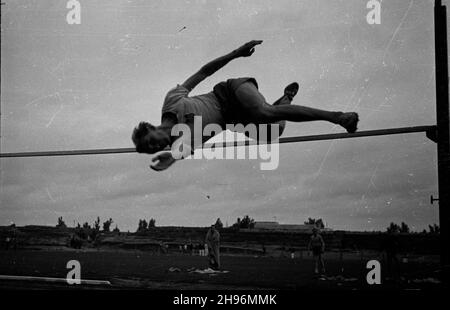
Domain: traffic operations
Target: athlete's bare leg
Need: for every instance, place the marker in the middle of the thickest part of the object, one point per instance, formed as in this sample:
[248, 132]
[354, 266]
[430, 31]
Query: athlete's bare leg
[260, 112]
[289, 93]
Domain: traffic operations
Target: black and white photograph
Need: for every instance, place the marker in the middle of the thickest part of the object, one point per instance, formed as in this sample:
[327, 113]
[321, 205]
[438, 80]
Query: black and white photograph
[224, 152]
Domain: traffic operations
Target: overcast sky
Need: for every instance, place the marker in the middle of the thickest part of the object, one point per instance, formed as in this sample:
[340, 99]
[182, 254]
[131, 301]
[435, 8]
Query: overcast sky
[86, 86]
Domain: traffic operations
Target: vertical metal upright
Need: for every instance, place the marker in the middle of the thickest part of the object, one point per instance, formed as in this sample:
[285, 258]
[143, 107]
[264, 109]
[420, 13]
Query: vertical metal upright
[443, 129]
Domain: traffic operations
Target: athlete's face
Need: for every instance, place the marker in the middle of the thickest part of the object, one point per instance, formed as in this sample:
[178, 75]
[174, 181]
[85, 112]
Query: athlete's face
[156, 140]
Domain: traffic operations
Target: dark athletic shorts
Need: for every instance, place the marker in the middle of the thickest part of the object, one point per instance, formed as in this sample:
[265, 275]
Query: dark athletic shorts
[225, 93]
[317, 251]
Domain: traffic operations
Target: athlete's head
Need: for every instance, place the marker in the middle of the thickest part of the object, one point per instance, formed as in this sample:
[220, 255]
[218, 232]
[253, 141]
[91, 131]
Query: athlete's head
[149, 139]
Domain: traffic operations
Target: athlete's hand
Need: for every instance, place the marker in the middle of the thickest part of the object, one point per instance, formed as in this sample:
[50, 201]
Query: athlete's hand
[247, 49]
[164, 160]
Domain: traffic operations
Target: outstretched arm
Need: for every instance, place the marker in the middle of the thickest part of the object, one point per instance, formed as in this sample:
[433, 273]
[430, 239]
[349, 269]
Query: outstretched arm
[210, 68]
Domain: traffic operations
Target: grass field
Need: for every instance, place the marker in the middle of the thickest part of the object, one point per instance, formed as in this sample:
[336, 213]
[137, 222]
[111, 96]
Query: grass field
[143, 270]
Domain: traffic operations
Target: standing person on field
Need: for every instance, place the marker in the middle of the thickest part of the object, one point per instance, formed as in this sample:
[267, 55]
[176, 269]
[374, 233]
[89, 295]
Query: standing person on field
[212, 241]
[317, 246]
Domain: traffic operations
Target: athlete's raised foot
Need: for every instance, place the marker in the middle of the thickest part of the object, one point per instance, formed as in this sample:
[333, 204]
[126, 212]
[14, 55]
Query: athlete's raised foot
[291, 90]
[349, 121]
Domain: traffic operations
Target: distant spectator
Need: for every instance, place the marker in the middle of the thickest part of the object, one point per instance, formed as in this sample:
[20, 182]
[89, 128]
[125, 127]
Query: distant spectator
[75, 242]
[163, 247]
[11, 237]
[190, 247]
[317, 246]
[212, 241]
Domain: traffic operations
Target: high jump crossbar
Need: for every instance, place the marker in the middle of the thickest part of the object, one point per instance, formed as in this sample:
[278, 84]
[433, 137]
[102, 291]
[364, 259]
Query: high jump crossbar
[430, 130]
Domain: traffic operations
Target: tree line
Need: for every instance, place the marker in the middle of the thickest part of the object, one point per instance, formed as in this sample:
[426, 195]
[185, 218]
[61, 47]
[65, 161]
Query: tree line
[245, 223]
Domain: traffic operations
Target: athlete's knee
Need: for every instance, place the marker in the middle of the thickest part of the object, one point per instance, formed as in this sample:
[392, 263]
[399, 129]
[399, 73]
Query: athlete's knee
[265, 113]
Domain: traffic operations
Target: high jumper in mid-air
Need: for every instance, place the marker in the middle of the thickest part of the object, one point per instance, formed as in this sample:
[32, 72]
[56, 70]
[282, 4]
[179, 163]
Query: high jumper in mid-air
[235, 101]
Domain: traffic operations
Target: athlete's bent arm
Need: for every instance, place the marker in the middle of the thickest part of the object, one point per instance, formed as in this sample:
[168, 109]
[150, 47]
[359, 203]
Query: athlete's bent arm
[180, 149]
[210, 68]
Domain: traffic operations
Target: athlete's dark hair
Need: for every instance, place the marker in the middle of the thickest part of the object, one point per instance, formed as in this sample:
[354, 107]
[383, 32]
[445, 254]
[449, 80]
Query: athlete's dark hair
[139, 134]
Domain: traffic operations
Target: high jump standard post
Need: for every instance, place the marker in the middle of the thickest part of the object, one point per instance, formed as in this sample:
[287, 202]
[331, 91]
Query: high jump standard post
[443, 130]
